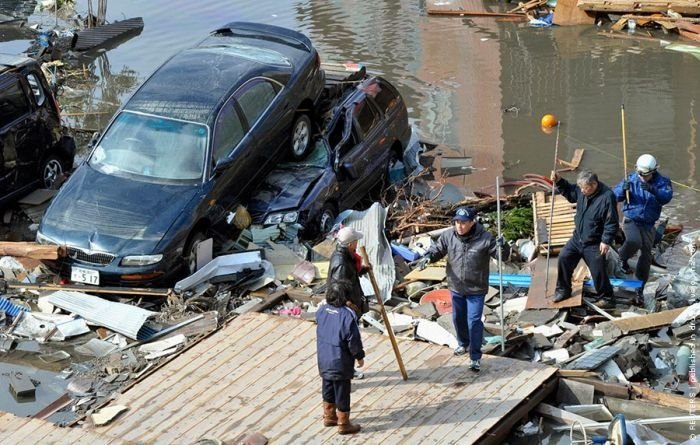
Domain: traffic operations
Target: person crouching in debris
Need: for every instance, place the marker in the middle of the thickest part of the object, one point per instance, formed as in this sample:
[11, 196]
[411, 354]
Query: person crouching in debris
[338, 346]
[648, 191]
[468, 247]
[346, 264]
[595, 226]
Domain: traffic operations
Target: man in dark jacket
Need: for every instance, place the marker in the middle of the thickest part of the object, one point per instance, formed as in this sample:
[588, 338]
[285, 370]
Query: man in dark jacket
[595, 225]
[468, 248]
[346, 264]
[648, 191]
[338, 346]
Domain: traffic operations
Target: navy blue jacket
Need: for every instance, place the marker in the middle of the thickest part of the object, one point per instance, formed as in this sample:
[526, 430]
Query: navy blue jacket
[644, 207]
[596, 218]
[338, 342]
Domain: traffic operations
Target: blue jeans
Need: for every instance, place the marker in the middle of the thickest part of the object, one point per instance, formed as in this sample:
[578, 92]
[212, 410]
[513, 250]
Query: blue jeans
[466, 317]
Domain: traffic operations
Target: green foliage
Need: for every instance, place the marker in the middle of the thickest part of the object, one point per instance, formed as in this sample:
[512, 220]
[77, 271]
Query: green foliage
[515, 223]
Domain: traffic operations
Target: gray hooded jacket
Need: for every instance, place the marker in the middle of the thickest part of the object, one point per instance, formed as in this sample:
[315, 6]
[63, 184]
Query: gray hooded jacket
[467, 259]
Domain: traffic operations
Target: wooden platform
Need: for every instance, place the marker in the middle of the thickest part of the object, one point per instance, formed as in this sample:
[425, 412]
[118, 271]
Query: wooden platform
[562, 221]
[259, 374]
[23, 430]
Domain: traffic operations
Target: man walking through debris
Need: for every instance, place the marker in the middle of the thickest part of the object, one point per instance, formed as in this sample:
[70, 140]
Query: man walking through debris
[338, 346]
[595, 225]
[468, 247]
[648, 191]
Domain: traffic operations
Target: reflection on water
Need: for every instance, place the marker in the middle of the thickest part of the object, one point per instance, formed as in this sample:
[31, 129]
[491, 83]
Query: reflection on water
[458, 75]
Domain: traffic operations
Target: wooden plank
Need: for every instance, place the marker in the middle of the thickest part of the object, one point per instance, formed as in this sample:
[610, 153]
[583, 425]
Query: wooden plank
[462, 12]
[9, 424]
[644, 322]
[660, 398]
[146, 398]
[26, 431]
[32, 250]
[540, 298]
[689, 7]
[153, 292]
[431, 273]
[234, 401]
[216, 376]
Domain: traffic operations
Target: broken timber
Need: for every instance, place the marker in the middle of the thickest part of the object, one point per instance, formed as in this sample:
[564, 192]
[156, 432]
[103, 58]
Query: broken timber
[680, 6]
[32, 250]
[467, 8]
[562, 222]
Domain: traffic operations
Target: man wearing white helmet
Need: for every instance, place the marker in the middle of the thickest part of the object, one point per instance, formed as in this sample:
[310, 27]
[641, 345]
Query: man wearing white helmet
[648, 191]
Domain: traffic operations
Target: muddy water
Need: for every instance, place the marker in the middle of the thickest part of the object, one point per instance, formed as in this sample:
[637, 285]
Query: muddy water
[458, 75]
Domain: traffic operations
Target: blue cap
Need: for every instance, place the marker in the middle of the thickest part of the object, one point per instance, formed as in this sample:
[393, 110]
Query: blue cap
[465, 214]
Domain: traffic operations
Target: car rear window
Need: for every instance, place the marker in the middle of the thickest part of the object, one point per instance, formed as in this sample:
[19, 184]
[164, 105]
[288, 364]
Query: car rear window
[227, 45]
[13, 104]
[365, 116]
[254, 98]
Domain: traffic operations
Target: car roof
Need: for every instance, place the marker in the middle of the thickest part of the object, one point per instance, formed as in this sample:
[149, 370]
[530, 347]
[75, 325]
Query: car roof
[193, 83]
[10, 61]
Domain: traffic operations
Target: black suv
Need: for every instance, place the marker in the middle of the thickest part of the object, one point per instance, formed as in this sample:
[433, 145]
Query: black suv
[34, 151]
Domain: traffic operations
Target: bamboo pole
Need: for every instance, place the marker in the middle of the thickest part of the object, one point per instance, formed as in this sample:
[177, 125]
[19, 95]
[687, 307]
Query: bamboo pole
[389, 330]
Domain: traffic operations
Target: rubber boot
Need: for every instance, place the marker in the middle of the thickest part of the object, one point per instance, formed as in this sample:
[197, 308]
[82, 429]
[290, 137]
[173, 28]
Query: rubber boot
[329, 417]
[344, 424]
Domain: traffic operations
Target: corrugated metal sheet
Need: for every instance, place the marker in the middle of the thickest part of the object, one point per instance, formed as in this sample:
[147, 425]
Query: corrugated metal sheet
[93, 37]
[371, 223]
[10, 308]
[122, 318]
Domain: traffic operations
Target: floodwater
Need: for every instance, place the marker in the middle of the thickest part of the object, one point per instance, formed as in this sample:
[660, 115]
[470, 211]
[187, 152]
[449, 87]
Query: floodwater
[458, 76]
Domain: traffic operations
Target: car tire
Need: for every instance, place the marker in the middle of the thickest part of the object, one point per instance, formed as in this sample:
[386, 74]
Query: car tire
[51, 171]
[190, 251]
[326, 218]
[301, 137]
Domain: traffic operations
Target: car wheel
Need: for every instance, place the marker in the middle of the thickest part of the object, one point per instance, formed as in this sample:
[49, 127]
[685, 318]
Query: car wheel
[190, 252]
[51, 171]
[326, 218]
[301, 137]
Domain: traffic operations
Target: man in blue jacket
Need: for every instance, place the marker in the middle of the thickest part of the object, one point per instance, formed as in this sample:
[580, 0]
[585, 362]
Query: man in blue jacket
[468, 247]
[338, 346]
[595, 226]
[648, 191]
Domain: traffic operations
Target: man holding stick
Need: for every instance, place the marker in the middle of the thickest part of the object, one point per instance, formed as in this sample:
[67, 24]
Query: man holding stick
[595, 226]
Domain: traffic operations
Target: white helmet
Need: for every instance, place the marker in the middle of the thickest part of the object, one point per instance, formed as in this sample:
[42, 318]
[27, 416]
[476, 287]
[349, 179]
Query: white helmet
[646, 164]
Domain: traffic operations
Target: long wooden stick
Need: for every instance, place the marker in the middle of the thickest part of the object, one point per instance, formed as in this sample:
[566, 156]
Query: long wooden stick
[389, 330]
[500, 265]
[624, 150]
[551, 214]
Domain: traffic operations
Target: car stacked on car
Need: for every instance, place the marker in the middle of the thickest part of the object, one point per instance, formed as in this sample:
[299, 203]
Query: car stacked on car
[200, 136]
[183, 151]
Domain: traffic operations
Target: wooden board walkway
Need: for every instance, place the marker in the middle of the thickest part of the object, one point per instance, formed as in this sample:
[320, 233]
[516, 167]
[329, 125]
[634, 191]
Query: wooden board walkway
[259, 374]
[24, 430]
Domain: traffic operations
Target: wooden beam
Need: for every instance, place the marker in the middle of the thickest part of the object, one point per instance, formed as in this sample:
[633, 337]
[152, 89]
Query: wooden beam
[475, 13]
[155, 292]
[32, 250]
[609, 389]
[660, 398]
[690, 7]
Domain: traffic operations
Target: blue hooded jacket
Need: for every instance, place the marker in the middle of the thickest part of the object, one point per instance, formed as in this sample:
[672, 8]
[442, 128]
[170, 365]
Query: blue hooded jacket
[338, 342]
[644, 207]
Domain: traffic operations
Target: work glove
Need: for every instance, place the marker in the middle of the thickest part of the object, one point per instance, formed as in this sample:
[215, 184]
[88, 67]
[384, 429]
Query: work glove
[423, 262]
[626, 186]
[364, 270]
[500, 241]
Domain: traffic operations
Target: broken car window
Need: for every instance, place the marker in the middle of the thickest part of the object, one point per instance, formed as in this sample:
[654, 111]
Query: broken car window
[37, 90]
[365, 116]
[152, 148]
[385, 98]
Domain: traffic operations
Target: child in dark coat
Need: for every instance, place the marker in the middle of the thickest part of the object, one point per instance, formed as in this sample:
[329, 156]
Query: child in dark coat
[338, 345]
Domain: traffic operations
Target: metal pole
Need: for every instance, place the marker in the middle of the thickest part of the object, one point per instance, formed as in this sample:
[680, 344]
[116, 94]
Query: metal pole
[624, 150]
[551, 213]
[389, 330]
[500, 265]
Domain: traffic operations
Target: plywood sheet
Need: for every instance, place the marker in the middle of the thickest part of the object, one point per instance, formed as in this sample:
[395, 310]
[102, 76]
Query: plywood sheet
[540, 298]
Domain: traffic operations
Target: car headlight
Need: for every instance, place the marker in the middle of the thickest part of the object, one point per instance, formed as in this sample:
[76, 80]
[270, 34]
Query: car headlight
[141, 260]
[277, 218]
[41, 239]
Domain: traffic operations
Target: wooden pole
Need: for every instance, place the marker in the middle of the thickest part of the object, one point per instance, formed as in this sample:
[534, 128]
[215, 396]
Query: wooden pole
[500, 265]
[551, 214]
[389, 330]
[624, 151]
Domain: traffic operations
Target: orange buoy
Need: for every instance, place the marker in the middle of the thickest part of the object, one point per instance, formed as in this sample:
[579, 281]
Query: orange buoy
[549, 121]
[547, 130]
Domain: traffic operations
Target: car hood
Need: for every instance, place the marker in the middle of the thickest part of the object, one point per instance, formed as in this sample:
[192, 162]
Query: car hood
[112, 214]
[283, 189]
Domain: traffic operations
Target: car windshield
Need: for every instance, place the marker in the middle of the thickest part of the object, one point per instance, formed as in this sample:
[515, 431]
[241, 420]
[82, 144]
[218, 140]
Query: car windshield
[152, 148]
[317, 158]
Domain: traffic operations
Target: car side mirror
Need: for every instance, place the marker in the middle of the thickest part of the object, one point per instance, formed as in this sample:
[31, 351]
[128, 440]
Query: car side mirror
[223, 165]
[93, 140]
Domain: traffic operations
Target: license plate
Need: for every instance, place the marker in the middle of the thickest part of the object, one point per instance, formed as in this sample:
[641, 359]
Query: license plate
[82, 275]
